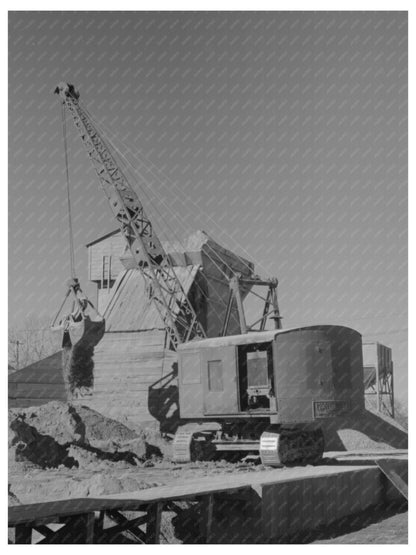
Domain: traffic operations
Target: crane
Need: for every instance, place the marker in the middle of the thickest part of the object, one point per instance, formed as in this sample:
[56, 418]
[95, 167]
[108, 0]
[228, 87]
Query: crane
[266, 391]
[176, 311]
[173, 305]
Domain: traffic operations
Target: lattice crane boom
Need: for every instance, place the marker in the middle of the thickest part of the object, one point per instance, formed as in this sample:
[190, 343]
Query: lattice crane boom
[173, 305]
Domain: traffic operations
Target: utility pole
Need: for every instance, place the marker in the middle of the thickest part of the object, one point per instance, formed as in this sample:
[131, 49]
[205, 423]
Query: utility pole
[17, 343]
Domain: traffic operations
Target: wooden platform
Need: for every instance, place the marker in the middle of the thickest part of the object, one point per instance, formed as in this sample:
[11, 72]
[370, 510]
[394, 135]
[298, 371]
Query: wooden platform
[396, 471]
[290, 500]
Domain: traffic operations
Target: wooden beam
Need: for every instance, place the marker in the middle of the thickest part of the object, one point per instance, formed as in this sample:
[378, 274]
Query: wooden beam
[133, 531]
[227, 313]
[64, 534]
[99, 523]
[124, 526]
[172, 506]
[235, 287]
[44, 530]
[207, 509]
[23, 534]
[89, 519]
[79, 529]
[153, 524]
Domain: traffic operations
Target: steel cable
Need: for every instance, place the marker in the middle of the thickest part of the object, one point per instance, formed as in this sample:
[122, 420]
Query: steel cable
[68, 194]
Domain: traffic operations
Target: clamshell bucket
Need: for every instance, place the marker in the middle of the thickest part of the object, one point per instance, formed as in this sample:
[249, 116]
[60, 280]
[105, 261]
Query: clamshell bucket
[87, 333]
[83, 325]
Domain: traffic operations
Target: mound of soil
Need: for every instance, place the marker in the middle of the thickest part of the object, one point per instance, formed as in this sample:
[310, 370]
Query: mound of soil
[28, 444]
[66, 423]
[101, 428]
[13, 499]
[59, 434]
[78, 367]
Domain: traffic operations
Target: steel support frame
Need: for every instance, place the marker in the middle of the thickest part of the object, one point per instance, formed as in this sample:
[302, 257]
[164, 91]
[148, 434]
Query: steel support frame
[270, 308]
[383, 389]
[175, 310]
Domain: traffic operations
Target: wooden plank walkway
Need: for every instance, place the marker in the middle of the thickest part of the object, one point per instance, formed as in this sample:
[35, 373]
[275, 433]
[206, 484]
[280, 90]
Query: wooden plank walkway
[83, 517]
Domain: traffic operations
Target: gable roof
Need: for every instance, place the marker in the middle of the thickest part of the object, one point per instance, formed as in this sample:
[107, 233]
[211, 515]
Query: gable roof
[47, 370]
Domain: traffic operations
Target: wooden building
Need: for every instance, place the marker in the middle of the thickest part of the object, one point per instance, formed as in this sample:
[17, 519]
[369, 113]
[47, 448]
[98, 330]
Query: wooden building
[133, 379]
[133, 366]
[38, 383]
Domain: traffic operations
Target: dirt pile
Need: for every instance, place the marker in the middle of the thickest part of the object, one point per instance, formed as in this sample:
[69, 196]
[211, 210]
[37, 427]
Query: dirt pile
[368, 430]
[59, 434]
[78, 368]
[28, 444]
[13, 499]
[68, 423]
[81, 335]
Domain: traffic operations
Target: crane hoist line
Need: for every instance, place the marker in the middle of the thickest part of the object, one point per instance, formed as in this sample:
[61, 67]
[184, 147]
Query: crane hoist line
[68, 196]
[81, 325]
[175, 309]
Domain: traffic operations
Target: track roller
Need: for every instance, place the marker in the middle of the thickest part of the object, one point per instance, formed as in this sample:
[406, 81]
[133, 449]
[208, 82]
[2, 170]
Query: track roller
[192, 445]
[182, 446]
[286, 446]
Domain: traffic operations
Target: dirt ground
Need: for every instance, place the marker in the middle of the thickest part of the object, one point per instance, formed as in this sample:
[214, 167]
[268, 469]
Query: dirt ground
[33, 485]
[57, 451]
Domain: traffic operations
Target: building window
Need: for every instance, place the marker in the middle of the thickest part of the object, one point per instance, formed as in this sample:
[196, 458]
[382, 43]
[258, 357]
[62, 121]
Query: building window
[106, 272]
[215, 375]
[257, 369]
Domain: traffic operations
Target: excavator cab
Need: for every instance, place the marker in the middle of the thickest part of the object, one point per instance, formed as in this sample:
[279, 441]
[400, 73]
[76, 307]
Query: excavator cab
[82, 324]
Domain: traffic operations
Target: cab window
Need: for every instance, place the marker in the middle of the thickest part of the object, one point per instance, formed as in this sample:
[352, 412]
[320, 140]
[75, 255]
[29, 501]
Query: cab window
[215, 382]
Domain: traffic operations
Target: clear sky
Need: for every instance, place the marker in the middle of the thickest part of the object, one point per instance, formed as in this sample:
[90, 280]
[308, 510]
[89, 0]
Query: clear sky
[289, 130]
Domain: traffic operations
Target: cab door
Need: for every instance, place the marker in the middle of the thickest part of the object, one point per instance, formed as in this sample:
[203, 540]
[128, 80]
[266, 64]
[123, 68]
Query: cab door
[220, 381]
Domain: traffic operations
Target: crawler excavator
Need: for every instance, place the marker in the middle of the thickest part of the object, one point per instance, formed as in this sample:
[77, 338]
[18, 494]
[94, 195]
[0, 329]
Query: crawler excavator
[264, 391]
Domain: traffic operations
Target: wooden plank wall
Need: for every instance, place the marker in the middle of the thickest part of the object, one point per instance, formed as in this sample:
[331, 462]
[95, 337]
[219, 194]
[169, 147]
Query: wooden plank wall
[127, 361]
[300, 505]
[126, 365]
